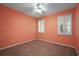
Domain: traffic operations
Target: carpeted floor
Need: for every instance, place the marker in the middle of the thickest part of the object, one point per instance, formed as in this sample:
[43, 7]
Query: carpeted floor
[38, 48]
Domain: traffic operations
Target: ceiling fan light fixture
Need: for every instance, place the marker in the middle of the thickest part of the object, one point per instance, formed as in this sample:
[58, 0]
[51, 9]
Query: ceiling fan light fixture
[38, 11]
[39, 8]
[42, 7]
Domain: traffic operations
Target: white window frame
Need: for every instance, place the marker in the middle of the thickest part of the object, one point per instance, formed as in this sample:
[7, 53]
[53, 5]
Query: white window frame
[41, 26]
[63, 24]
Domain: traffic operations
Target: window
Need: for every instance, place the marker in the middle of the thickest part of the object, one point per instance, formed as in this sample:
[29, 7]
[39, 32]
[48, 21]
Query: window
[65, 24]
[41, 27]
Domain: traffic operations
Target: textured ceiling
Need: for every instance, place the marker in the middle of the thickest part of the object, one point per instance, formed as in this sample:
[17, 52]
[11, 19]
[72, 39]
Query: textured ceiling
[28, 8]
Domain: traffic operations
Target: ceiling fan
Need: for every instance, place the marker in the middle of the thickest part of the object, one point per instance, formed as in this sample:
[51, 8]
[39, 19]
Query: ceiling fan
[39, 8]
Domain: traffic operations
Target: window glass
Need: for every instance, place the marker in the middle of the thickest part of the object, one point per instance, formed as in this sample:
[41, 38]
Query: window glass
[65, 24]
[41, 27]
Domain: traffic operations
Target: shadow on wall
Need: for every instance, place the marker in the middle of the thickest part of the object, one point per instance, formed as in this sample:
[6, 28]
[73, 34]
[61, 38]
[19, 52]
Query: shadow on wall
[77, 27]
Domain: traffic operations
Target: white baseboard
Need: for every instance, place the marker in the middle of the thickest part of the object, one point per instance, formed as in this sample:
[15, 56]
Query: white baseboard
[16, 44]
[35, 39]
[58, 43]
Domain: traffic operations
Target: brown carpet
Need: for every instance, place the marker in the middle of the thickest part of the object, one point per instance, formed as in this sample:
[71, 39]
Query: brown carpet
[38, 48]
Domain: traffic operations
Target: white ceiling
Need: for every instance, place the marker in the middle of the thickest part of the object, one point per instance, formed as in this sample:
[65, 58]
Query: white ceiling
[28, 8]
